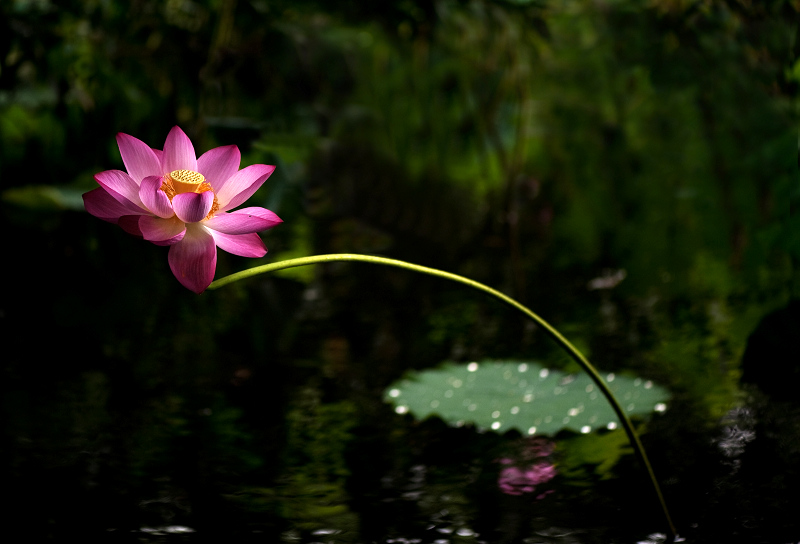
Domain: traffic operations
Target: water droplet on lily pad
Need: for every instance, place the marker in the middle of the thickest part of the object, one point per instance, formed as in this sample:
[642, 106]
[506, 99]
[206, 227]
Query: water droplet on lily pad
[488, 389]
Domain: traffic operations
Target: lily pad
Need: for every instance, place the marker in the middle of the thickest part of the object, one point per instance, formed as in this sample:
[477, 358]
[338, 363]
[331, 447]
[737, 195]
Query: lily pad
[526, 396]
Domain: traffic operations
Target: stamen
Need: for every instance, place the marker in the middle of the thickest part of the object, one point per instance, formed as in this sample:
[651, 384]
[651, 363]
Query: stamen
[166, 186]
[214, 208]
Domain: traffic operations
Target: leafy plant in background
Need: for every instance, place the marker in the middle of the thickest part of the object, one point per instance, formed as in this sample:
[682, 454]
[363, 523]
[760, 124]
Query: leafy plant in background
[656, 137]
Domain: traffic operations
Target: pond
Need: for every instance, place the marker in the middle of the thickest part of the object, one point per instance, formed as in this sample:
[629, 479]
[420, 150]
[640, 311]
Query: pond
[196, 420]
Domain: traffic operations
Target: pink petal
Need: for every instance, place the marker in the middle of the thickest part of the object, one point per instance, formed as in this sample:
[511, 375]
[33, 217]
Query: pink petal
[121, 186]
[178, 153]
[242, 185]
[100, 203]
[263, 213]
[243, 221]
[194, 259]
[193, 207]
[171, 241]
[139, 159]
[162, 231]
[130, 224]
[244, 245]
[219, 164]
[154, 198]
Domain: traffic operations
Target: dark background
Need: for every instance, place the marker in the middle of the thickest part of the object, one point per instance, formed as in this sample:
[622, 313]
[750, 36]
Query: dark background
[534, 146]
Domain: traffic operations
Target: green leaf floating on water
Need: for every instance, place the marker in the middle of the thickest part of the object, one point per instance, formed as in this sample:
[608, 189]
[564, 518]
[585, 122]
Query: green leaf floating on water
[521, 395]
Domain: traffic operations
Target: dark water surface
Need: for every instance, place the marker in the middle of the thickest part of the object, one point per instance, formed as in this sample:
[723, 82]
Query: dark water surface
[146, 438]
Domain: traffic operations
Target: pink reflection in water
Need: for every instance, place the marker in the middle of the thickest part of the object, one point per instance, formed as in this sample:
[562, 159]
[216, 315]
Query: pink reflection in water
[524, 475]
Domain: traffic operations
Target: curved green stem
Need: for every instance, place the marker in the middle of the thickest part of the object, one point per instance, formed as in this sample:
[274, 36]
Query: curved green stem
[563, 342]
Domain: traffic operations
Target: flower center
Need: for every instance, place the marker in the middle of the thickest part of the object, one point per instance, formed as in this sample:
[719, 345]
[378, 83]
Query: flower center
[188, 181]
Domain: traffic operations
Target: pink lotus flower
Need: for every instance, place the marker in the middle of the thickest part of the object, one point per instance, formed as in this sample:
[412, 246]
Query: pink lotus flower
[172, 198]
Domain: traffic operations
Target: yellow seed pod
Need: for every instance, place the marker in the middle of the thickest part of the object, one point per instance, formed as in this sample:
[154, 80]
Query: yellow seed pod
[187, 181]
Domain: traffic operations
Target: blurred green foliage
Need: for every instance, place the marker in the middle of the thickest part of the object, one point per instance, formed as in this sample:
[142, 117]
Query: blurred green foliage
[533, 145]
